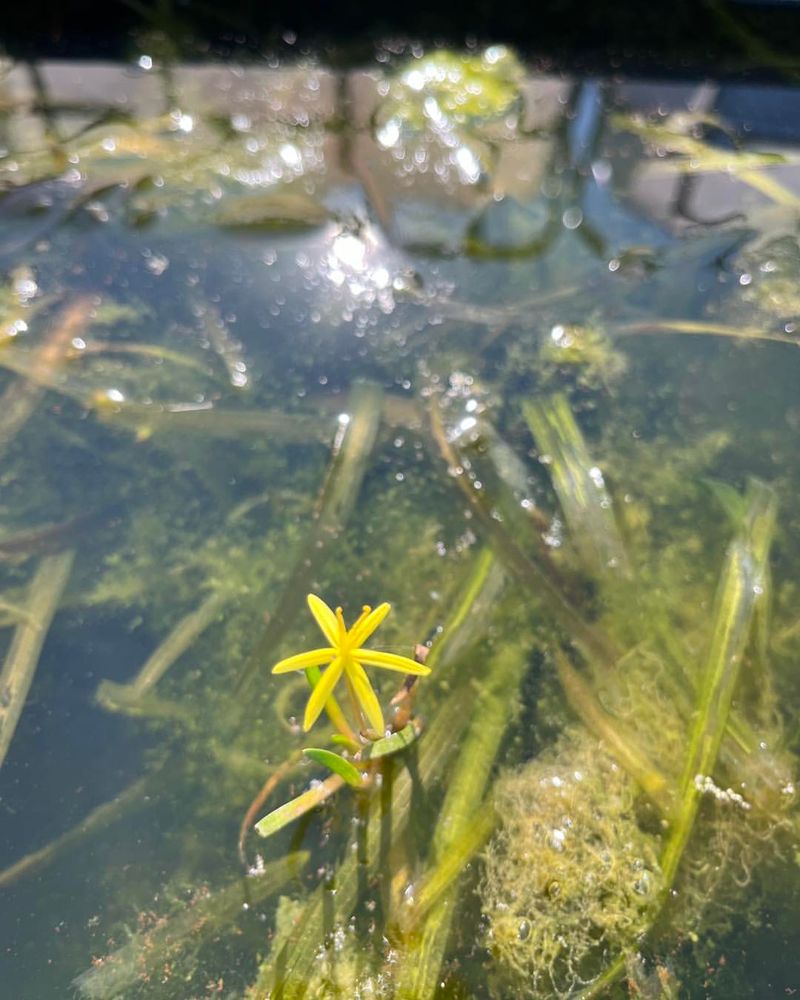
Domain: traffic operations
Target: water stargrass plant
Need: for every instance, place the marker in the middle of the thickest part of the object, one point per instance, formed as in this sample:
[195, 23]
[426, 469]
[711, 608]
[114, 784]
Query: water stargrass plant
[346, 657]
[367, 738]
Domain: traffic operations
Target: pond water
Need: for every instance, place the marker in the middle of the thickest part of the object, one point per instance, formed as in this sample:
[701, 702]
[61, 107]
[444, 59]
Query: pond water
[515, 353]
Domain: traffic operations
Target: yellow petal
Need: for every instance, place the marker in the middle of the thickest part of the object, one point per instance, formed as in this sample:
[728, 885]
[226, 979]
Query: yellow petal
[366, 696]
[325, 618]
[391, 661]
[313, 658]
[364, 627]
[321, 693]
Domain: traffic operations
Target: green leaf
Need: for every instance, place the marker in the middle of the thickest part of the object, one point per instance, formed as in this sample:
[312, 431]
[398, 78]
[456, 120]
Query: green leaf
[347, 771]
[391, 744]
[297, 807]
[728, 498]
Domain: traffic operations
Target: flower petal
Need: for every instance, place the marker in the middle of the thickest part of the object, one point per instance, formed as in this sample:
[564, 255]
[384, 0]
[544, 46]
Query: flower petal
[325, 618]
[366, 696]
[391, 661]
[364, 628]
[332, 709]
[301, 661]
[321, 693]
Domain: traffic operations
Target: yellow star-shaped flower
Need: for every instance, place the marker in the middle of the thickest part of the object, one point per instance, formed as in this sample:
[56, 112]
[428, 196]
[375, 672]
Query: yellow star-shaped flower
[346, 656]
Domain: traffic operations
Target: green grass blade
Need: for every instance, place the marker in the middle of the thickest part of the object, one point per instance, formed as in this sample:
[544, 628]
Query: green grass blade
[578, 484]
[516, 560]
[419, 969]
[740, 589]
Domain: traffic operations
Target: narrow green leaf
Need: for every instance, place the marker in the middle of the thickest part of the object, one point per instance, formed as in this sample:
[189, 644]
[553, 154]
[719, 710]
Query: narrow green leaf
[280, 209]
[581, 491]
[728, 498]
[391, 744]
[297, 807]
[342, 741]
[347, 771]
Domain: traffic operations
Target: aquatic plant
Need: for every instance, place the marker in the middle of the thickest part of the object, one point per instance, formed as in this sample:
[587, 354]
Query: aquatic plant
[584, 354]
[464, 88]
[479, 448]
[346, 657]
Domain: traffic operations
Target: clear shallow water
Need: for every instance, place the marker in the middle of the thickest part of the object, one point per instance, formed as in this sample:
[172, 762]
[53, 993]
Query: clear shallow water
[272, 330]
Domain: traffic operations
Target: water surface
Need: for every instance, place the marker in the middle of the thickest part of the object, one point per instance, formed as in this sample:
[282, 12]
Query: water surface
[515, 353]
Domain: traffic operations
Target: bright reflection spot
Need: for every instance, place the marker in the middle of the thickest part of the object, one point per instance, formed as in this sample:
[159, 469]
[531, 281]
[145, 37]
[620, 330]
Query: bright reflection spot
[596, 477]
[434, 112]
[381, 277]
[495, 53]
[183, 123]
[238, 375]
[115, 396]
[561, 337]
[389, 134]
[25, 288]
[415, 79]
[601, 171]
[359, 267]
[145, 62]
[16, 326]
[155, 263]
[290, 155]
[467, 164]
[350, 251]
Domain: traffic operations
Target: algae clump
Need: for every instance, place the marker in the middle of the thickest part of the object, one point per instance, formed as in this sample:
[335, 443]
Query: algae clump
[570, 877]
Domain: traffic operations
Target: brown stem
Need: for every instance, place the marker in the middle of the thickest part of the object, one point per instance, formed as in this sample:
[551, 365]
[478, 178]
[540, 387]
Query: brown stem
[269, 786]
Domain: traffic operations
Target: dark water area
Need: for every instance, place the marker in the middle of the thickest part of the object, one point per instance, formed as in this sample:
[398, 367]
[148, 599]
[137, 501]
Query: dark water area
[750, 39]
[511, 348]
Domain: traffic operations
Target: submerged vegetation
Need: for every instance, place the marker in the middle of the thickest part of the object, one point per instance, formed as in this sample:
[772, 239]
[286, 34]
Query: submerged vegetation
[382, 334]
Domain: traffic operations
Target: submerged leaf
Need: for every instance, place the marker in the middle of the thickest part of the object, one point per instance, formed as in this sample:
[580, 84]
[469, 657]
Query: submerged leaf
[392, 744]
[337, 764]
[298, 806]
[282, 209]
